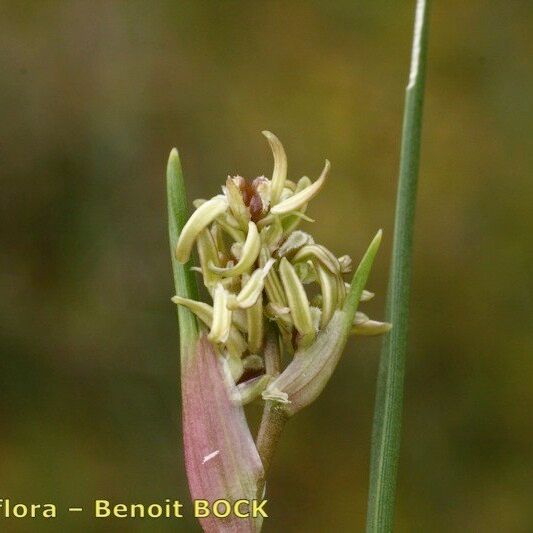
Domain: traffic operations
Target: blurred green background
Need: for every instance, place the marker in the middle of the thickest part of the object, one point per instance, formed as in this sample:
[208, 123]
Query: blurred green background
[94, 94]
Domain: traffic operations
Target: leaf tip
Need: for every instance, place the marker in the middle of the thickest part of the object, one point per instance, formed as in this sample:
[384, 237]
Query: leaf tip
[173, 166]
[174, 154]
[376, 241]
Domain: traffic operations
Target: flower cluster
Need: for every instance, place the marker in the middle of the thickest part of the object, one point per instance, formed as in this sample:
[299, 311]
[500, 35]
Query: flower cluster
[262, 272]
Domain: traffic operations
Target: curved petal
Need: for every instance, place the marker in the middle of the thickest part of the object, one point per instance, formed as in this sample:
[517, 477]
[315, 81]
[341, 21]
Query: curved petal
[200, 219]
[221, 324]
[253, 287]
[298, 302]
[235, 343]
[301, 198]
[279, 174]
[320, 253]
[250, 251]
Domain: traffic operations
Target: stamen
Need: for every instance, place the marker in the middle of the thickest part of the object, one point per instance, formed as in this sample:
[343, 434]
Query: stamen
[345, 263]
[365, 295]
[364, 326]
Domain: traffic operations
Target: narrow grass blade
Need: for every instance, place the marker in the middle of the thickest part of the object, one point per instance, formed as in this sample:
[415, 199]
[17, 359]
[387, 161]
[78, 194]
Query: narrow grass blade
[390, 384]
[184, 279]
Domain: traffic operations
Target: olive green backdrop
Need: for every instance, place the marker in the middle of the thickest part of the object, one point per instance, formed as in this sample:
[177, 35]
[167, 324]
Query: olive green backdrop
[92, 97]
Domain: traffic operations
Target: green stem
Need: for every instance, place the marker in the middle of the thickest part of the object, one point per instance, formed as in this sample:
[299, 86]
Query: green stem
[390, 384]
[270, 429]
[274, 419]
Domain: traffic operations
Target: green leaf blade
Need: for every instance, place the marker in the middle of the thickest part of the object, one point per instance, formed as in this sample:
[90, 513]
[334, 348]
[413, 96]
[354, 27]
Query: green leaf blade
[184, 277]
[386, 434]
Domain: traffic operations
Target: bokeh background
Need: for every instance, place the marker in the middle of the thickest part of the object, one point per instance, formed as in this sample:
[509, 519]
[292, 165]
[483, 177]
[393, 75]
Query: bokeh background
[92, 97]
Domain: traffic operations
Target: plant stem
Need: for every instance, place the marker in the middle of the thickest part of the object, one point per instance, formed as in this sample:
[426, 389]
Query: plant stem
[274, 419]
[270, 429]
[386, 432]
